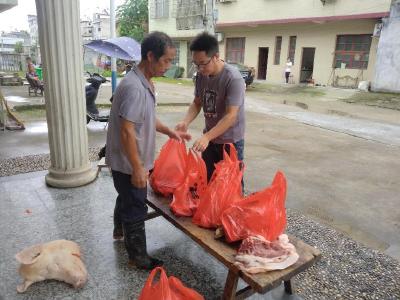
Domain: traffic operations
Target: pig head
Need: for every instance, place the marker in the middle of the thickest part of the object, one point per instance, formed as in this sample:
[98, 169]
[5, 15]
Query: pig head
[59, 260]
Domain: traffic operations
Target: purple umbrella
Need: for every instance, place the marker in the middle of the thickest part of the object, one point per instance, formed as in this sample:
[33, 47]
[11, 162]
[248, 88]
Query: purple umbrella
[121, 47]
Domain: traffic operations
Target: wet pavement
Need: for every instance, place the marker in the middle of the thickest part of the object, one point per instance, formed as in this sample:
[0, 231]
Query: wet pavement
[366, 129]
[32, 213]
[342, 173]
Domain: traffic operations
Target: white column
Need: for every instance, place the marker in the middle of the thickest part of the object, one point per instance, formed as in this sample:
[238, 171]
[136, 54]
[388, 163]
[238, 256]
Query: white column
[62, 60]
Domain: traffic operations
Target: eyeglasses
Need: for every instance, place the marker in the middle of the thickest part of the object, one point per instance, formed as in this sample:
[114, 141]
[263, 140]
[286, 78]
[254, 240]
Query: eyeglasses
[201, 65]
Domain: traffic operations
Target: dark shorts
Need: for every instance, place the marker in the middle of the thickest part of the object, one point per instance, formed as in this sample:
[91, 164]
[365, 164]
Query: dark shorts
[214, 154]
[131, 201]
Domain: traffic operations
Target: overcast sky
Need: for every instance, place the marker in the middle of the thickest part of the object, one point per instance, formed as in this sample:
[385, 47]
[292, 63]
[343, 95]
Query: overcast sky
[17, 17]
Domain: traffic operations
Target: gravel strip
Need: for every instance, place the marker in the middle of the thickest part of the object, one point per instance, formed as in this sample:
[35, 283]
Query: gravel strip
[347, 269]
[33, 163]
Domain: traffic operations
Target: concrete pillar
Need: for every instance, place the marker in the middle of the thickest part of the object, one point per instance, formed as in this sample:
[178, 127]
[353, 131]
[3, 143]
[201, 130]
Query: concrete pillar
[62, 60]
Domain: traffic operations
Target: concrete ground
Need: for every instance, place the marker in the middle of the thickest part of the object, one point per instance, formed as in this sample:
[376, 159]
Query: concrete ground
[341, 161]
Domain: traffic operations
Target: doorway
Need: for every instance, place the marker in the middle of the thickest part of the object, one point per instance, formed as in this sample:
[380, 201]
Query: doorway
[262, 62]
[307, 65]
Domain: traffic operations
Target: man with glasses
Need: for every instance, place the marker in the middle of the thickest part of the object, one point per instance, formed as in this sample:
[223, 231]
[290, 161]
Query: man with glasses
[219, 90]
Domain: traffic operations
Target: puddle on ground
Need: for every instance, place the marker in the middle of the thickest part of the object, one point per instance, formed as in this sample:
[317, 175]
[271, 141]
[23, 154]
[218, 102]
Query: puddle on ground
[40, 127]
[338, 112]
[16, 99]
[302, 105]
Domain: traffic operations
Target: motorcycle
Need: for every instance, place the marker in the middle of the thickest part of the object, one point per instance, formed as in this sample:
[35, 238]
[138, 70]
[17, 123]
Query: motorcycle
[91, 91]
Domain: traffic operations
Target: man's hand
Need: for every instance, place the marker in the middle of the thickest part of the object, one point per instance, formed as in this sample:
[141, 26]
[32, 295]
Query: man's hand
[201, 144]
[179, 135]
[181, 126]
[139, 178]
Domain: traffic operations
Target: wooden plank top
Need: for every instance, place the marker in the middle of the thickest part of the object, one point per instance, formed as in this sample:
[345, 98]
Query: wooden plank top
[225, 252]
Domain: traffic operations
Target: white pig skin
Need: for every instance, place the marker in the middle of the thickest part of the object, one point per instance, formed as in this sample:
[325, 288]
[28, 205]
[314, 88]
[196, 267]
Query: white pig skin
[59, 260]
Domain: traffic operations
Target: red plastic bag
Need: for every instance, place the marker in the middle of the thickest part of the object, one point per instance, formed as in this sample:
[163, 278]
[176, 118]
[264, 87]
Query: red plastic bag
[262, 213]
[223, 190]
[187, 196]
[169, 168]
[166, 288]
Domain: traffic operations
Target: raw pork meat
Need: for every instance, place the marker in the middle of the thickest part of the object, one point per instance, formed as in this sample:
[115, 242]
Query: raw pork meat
[256, 254]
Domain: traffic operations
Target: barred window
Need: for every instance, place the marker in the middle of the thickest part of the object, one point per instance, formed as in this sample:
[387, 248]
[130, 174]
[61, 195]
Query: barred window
[278, 46]
[353, 51]
[292, 48]
[161, 8]
[175, 62]
[235, 50]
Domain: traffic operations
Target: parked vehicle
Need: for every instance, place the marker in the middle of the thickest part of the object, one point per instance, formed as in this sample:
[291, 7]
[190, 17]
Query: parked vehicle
[247, 73]
[91, 91]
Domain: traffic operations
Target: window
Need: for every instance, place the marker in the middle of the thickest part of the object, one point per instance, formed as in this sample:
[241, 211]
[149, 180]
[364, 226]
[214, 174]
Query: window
[189, 14]
[99, 29]
[235, 50]
[161, 8]
[292, 48]
[177, 46]
[278, 46]
[352, 50]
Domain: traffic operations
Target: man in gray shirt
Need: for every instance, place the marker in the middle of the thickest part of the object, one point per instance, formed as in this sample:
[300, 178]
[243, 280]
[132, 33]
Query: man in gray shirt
[220, 91]
[131, 144]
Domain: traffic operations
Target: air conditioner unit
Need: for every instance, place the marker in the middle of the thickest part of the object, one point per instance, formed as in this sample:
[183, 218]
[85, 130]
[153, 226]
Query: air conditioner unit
[220, 36]
[377, 29]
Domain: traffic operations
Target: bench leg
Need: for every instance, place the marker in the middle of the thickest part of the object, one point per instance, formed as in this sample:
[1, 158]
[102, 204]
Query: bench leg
[288, 287]
[230, 286]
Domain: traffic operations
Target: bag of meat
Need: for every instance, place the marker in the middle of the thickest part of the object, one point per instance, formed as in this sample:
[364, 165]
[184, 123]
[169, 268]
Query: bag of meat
[169, 168]
[257, 255]
[223, 190]
[187, 196]
[166, 288]
[262, 213]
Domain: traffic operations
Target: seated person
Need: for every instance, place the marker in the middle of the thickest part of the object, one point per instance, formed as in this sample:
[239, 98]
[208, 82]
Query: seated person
[31, 73]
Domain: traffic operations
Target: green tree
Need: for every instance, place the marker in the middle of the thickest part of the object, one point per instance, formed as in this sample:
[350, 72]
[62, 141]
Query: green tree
[133, 19]
[19, 47]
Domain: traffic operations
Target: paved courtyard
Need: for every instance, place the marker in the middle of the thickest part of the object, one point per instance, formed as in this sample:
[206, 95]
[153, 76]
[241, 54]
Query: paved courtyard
[342, 172]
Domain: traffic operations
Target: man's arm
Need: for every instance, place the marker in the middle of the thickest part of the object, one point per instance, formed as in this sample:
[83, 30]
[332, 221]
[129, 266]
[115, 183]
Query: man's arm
[160, 127]
[130, 149]
[191, 114]
[223, 125]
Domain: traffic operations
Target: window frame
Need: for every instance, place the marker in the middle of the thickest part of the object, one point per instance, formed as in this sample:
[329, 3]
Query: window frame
[232, 52]
[348, 47]
[161, 9]
[278, 50]
[292, 50]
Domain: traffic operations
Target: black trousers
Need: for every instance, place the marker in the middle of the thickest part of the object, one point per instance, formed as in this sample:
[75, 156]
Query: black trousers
[130, 206]
[214, 153]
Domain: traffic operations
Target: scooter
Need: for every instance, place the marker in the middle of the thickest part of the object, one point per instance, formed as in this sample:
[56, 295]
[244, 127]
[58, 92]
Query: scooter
[91, 91]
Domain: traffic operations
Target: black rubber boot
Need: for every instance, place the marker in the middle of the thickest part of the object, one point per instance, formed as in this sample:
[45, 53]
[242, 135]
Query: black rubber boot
[135, 244]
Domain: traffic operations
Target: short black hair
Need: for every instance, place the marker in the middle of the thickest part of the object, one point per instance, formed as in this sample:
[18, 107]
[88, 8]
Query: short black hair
[205, 42]
[156, 42]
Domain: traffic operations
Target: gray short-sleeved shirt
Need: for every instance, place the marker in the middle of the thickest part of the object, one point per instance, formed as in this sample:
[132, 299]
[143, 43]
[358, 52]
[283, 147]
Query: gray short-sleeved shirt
[133, 101]
[216, 93]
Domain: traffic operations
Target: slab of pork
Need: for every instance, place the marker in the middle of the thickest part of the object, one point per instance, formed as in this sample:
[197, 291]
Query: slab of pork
[257, 255]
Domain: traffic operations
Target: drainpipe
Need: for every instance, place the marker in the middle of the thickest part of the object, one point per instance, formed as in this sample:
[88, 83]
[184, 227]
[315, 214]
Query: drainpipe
[210, 16]
[113, 59]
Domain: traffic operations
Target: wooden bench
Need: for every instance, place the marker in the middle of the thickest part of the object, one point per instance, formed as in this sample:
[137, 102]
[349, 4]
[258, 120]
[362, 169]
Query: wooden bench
[224, 252]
